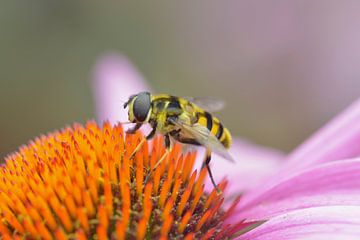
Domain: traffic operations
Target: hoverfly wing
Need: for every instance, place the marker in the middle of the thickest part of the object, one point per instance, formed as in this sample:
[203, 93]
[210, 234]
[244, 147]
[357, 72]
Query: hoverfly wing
[207, 103]
[204, 137]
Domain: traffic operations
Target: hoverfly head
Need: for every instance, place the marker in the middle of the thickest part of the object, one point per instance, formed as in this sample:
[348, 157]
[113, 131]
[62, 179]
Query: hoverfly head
[139, 107]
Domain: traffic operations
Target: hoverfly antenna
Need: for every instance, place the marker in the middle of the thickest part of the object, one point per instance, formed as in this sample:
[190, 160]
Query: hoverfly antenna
[129, 100]
[125, 104]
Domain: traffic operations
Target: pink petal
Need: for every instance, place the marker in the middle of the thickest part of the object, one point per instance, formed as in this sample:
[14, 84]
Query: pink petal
[331, 222]
[337, 140]
[115, 79]
[334, 183]
[253, 163]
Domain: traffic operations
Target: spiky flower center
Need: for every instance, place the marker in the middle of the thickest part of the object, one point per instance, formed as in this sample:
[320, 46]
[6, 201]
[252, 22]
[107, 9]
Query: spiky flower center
[84, 183]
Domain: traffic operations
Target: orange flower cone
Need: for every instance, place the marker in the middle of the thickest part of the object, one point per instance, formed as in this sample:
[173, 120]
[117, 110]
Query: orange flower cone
[82, 183]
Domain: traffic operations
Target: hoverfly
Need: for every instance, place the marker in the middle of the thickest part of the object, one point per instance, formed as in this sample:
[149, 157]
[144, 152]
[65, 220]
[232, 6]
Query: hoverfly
[186, 120]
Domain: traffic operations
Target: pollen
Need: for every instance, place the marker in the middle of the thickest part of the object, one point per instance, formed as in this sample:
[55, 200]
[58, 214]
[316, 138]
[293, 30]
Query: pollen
[83, 182]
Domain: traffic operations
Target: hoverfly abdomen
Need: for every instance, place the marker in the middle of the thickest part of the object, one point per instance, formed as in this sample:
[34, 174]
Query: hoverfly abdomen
[219, 132]
[215, 127]
[226, 139]
[209, 121]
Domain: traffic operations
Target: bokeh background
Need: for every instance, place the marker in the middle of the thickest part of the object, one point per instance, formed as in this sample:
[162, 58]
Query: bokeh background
[283, 67]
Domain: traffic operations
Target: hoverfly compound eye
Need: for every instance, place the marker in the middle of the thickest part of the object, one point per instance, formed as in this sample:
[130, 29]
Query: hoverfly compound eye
[141, 106]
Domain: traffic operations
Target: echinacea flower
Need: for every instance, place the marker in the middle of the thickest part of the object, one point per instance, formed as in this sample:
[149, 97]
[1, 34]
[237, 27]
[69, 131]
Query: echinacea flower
[313, 193]
[84, 182]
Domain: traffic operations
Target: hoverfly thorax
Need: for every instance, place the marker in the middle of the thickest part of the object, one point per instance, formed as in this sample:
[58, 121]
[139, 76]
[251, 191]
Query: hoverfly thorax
[139, 107]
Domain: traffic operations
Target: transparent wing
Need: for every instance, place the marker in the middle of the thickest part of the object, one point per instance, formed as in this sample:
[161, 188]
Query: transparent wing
[207, 103]
[204, 137]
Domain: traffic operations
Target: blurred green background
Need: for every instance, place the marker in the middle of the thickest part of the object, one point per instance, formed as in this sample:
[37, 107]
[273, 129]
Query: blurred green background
[283, 67]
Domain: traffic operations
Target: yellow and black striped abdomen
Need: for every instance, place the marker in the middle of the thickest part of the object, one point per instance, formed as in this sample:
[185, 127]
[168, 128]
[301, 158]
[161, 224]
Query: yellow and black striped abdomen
[215, 127]
[164, 105]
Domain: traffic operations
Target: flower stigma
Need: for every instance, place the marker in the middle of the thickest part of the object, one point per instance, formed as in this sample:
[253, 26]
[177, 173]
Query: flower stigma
[82, 183]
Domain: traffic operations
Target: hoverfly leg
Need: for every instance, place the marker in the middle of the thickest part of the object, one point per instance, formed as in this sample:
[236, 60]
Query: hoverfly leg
[148, 137]
[134, 129]
[137, 148]
[151, 134]
[206, 163]
[167, 150]
[167, 141]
